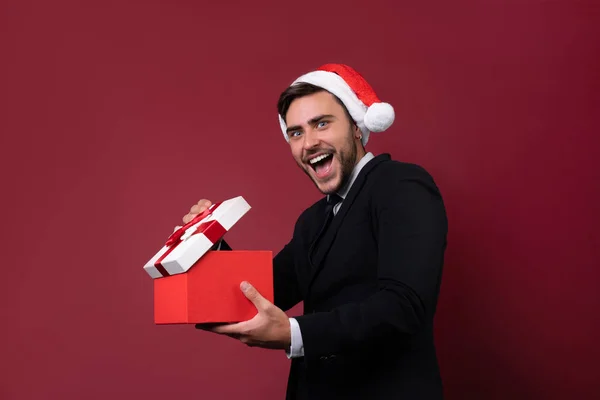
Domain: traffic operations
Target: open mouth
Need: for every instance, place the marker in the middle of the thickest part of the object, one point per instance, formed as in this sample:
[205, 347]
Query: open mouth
[321, 164]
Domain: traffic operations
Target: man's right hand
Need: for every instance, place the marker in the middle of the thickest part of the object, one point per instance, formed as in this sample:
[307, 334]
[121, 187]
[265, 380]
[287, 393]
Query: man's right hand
[196, 209]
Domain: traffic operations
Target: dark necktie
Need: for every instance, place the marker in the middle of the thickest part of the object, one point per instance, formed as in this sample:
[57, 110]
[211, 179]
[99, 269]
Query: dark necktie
[332, 200]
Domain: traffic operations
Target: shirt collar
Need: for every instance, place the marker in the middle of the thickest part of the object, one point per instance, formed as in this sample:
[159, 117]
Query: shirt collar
[343, 192]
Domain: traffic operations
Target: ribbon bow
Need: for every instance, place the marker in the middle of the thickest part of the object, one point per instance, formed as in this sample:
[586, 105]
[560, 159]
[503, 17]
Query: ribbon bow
[176, 236]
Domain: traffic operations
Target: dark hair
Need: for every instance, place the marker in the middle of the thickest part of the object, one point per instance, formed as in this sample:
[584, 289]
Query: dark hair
[300, 90]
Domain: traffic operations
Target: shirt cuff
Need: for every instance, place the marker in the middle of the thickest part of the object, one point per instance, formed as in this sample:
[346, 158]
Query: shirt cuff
[297, 347]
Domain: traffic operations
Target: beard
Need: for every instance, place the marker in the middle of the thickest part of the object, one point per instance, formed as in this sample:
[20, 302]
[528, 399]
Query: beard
[347, 160]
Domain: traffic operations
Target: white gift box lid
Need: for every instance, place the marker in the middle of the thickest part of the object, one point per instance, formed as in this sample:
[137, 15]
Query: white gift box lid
[190, 242]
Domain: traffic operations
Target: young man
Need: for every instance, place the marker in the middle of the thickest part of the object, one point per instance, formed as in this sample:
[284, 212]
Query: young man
[366, 260]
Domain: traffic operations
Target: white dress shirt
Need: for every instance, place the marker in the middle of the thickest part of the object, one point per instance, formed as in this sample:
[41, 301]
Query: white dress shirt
[297, 347]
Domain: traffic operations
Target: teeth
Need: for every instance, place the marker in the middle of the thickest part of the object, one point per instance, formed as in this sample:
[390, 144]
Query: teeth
[319, 158]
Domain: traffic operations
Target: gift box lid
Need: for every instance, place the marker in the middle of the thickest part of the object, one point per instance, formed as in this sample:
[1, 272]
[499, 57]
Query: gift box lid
[190, 242]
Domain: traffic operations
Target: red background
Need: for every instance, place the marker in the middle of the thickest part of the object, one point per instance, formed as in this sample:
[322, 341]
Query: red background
[118, 115]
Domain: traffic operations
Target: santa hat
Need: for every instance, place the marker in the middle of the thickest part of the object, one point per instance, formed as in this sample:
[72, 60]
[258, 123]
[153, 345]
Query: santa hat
[369, 113]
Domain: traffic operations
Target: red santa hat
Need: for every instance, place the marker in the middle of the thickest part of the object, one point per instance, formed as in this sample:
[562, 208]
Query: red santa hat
[369, 113]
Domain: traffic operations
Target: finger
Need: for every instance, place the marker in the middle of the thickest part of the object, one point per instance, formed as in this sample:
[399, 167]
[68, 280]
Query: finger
[231, 329]
[247, 341]
[208, 326]
[188, 217]
[201, 205]
[204, 202]
[196, 209]
[235, 336]
[255, 297]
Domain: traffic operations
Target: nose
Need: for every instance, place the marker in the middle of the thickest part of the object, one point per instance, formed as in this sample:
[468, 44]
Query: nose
[311, 139]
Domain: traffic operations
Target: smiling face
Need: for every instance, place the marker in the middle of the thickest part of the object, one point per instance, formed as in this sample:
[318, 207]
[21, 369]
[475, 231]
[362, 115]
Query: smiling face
[324, 141]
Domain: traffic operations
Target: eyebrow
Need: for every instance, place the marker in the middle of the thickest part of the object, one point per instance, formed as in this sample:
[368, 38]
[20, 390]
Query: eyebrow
[312, 121]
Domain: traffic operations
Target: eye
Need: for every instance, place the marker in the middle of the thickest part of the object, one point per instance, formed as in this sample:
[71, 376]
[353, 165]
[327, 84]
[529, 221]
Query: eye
[295, 133]
[322, 124]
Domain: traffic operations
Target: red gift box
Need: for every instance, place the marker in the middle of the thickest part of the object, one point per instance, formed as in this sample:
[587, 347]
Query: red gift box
[209, 292]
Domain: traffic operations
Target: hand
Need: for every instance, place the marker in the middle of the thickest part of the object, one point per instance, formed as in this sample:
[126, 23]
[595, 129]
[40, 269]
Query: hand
[196, 209]
[270, 328]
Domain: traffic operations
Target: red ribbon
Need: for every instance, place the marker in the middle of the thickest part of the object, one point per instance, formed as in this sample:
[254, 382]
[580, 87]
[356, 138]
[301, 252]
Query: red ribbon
[176, 236]
[213, 230]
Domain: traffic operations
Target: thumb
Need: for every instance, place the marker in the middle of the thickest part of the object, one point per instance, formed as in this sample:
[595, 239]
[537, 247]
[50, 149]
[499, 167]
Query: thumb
[254, 296]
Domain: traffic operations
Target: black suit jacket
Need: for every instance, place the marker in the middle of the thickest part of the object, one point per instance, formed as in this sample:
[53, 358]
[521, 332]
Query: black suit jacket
[371, 291]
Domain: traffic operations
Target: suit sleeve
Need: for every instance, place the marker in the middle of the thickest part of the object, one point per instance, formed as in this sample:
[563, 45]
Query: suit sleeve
[410, 227]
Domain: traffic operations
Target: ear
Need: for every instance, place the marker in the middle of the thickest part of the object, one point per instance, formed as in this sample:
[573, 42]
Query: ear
[357, 132]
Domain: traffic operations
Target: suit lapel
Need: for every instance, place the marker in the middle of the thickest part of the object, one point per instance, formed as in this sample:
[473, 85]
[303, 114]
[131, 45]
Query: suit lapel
[329, 236]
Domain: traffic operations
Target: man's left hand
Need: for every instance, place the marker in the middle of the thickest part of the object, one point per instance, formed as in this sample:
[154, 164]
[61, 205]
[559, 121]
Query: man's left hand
[270, 328]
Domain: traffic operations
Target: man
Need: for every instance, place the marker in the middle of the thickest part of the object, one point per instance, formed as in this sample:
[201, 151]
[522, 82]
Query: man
[369, 271]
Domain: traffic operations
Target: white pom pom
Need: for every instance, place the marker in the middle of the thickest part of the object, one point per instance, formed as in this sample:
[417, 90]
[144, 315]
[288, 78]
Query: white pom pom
[379, 117]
